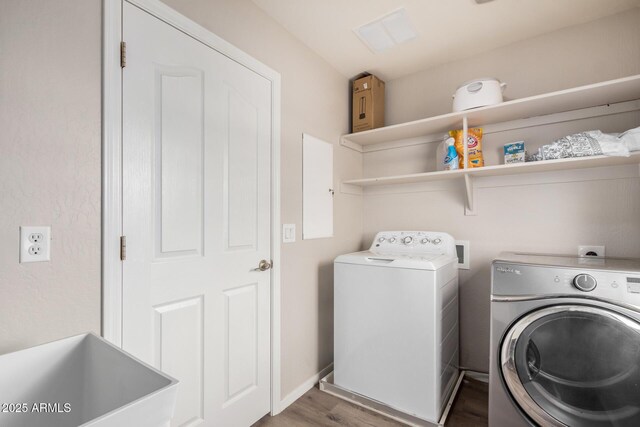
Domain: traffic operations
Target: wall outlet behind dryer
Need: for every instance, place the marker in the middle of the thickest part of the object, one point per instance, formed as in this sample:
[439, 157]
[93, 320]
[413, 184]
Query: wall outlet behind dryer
[590, 250]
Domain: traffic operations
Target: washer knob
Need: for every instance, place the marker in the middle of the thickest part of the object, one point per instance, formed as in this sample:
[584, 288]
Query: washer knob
[424, 241]
[585, 282]
[381, 239]
[407, 240]
[392, 240]
[437, 241]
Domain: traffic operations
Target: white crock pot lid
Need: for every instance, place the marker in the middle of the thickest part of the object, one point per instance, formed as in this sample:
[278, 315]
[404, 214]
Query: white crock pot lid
[483, 79]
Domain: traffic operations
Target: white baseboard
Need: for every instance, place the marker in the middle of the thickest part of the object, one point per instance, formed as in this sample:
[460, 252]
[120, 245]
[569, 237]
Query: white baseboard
[299, 391]
[479, 376]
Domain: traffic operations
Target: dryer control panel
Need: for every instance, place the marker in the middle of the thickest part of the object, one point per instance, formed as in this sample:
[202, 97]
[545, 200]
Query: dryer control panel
[511, 279]
[413, 242]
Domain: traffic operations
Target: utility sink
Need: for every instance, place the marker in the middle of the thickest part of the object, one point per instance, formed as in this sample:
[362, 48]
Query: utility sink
[82, 381]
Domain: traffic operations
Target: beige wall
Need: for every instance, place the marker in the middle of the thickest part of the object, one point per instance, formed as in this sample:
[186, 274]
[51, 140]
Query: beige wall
[539, 214]
[596, 51]
[314, 101]
[50, 121]
[50, 167]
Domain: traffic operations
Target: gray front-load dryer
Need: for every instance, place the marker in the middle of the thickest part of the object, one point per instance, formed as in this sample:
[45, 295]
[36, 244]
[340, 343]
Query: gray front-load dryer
[565, 341]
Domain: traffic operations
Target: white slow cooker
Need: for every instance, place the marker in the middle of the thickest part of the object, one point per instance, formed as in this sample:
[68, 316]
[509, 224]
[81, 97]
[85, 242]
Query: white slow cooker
[478, 93]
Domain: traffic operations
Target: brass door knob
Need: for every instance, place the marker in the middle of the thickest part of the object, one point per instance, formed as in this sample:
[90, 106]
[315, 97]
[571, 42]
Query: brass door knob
[264, 265]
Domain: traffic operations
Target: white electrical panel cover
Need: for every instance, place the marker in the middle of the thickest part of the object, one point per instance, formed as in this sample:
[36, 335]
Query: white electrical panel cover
[317, 188]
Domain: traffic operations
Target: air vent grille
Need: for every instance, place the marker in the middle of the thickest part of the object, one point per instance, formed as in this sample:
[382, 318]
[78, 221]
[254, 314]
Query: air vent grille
[387, 31]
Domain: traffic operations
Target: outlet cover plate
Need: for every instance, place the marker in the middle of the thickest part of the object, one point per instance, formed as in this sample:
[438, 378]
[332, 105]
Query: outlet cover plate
[288, 233]
[35, 244]
[583, 250]
[462, 250]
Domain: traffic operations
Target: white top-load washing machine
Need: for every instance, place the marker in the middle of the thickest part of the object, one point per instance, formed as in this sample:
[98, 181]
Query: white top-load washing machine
[565, 341]
[396, 321]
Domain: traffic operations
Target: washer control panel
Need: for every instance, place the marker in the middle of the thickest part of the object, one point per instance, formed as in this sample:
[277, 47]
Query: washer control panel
[413, 242]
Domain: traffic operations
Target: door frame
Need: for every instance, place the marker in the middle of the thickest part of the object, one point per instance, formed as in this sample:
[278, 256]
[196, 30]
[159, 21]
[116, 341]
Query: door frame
[112, 167]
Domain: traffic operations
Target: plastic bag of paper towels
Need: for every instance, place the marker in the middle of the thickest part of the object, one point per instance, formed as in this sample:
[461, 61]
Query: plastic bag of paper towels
[593, 143]
[631, 139]
[618, 144]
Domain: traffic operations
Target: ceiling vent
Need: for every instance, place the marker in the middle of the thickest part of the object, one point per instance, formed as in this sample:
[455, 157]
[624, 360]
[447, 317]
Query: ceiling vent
[387, 32]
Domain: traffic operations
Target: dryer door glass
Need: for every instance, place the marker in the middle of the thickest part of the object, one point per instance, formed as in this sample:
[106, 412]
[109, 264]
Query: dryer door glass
[575, 365]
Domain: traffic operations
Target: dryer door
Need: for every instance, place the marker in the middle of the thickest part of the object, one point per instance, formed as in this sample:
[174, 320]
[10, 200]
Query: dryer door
[574, 365]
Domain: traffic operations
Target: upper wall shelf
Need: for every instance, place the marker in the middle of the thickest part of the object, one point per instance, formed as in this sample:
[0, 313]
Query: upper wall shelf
[570, 104]
[609, 92]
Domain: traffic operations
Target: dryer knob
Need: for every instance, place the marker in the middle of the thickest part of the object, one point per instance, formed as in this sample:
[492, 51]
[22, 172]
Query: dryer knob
[407, 240]
[425, 241]
[585, 282]
[437, 241]
[392, 240]
[381, 239]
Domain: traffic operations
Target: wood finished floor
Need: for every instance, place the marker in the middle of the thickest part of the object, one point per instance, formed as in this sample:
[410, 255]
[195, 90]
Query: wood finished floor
[317, 408]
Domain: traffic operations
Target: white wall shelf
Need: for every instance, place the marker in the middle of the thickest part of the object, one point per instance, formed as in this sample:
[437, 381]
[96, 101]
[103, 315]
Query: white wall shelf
[600, 99]
[500, 170]
[609, 92]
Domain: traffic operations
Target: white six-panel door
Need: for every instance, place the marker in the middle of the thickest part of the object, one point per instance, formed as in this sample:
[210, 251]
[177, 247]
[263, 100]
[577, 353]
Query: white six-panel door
[196, 215]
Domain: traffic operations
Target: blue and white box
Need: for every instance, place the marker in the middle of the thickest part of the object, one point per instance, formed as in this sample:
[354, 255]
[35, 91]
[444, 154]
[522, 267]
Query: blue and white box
[514, 152]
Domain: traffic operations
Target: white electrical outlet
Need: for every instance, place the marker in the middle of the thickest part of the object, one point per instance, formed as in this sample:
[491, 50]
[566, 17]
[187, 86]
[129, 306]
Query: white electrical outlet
[590, 250]
[35, 244]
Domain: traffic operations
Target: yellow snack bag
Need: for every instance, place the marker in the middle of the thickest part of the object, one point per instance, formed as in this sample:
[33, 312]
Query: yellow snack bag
[474, 142]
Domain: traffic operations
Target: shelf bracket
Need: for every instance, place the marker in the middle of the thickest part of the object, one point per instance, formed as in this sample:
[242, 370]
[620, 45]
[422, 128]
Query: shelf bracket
[470, 189]
[351, 189]
[352, 145]
[465, 143]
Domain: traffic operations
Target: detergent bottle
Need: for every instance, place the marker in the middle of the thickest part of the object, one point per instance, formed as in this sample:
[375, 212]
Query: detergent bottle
[451, 155]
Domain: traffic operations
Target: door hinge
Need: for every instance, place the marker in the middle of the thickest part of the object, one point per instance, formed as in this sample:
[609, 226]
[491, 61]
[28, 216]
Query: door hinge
[123, 248]
[123, 54]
